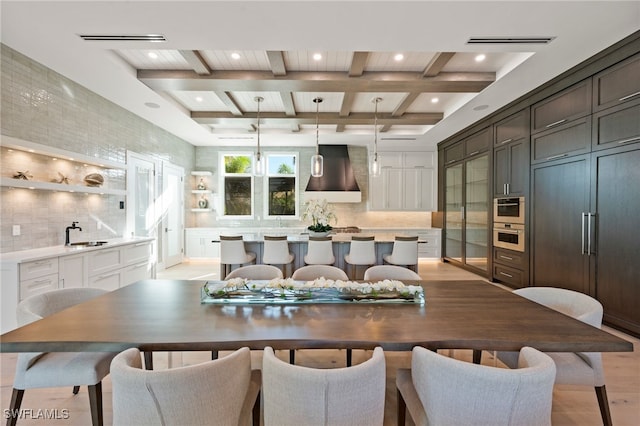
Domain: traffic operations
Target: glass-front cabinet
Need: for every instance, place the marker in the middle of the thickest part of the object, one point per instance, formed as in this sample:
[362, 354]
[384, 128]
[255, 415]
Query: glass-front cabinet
[466, 202]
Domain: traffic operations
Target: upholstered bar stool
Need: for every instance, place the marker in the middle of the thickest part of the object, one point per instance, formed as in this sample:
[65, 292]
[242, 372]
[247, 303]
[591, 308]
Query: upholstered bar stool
[319, 251]
[232, 252]
[362, 252]
[404, 253]
[276, 252]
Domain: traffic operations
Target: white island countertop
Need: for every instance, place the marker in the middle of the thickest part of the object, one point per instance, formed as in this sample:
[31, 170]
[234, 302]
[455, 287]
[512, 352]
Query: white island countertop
[62, 250]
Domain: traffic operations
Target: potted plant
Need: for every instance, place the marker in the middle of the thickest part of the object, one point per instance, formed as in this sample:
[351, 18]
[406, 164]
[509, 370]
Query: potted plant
[321, 215]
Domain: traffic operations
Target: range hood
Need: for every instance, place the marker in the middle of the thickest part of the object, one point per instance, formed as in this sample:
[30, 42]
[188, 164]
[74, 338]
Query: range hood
[337, 183]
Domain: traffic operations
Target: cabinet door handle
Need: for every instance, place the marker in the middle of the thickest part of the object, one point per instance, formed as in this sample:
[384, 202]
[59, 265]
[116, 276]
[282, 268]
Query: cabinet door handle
[506, 275]
[504, 189]
[473, 153]
[140, 244]
[506, 257]
[589, 233]
[101, 277]
[506, 141]
[582, 243]
[633, 139]
[624, 98]
[557, 156]
[555, 123]
[507, 193]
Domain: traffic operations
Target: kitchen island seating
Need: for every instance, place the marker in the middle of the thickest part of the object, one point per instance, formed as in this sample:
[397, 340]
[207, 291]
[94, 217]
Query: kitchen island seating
[438, 390]
[296, 395]
[311, 272]
[255, 272]
[582, 368]
[404, 252]
[225, 392]
[276, 252]
[389, 272]
[56, 369]
[362, 252]
[319, 251]
[232, 252]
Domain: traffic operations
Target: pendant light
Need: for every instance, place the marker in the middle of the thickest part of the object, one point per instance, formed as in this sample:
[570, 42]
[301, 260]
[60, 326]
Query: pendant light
[317, 162]
[374, 167]
[258, 167]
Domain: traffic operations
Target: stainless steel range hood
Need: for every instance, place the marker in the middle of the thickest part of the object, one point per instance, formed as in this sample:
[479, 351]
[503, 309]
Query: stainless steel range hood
[338, 182]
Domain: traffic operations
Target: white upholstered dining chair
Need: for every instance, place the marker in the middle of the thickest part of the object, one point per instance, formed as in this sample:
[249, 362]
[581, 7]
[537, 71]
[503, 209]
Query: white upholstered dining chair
[56, 369]
[438, 390]
[220, 392]
[582, 368]
[311, 272]
[389, 272]
[255, 272]
[295, 395]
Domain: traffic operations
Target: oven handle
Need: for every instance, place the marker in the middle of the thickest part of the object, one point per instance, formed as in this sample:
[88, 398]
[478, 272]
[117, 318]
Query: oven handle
[508, 204]
[508, 231]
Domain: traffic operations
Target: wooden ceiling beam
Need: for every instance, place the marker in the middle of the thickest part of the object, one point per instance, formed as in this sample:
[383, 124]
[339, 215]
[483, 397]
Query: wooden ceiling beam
[445, 82]
[287, 102]
[276, 61]
[436, 64]
[340, 128]
[228, 101]
[405, 104]
[358, 62]
[347, 103]
[196, 61]
[278, 118]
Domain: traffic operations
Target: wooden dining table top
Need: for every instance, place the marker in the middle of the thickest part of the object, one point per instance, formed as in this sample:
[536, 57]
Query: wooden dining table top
[167, 315]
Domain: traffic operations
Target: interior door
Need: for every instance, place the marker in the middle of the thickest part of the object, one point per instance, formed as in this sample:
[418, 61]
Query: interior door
[140, 196]
[172, 204]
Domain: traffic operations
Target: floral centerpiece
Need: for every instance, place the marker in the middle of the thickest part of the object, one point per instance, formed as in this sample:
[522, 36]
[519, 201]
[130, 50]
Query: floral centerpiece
[321, 214]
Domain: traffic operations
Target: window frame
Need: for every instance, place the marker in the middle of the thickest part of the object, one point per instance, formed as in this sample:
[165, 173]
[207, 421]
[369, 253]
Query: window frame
[265, 185]
[222, 179]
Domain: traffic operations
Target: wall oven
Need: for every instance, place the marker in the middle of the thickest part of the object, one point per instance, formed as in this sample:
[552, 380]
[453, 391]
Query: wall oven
[508, 209]
[509, 236]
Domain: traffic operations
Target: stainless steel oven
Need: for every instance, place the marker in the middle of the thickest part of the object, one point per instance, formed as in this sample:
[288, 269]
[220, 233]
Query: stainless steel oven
[508, 235]
[508, 210]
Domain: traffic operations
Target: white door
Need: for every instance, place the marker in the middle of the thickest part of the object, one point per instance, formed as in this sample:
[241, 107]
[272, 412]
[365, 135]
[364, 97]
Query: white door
[172, 204]
[141, 190]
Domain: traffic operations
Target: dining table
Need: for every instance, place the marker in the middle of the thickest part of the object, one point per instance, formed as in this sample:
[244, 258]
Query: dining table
[169, 315]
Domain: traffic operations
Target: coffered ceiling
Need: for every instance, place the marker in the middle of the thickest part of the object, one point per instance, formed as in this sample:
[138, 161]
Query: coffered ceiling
[201, 82]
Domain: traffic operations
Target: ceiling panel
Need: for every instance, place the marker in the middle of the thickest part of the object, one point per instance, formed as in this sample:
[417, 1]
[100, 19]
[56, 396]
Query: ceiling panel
[166, 59]
[248, 60]
[412, 61]
[302, 60]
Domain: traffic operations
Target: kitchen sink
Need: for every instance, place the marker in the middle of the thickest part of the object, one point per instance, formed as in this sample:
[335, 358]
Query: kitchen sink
[88, 244]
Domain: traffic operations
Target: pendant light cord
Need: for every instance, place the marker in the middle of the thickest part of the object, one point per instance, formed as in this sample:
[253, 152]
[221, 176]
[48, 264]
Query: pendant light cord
[258, 99]
[317, 101]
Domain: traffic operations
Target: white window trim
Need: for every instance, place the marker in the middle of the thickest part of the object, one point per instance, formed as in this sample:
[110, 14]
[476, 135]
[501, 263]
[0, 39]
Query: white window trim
[265, 186]
[222, 186]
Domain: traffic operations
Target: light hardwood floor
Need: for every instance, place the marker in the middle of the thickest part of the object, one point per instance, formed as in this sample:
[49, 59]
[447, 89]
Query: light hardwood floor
[572, 405]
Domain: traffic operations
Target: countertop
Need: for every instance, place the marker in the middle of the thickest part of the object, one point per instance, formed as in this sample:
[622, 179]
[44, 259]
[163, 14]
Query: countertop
[379, 237]
[62, 250]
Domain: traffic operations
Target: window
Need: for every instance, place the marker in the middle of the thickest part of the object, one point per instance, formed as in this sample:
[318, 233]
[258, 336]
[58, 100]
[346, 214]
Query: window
[281, 186]
[238, 184]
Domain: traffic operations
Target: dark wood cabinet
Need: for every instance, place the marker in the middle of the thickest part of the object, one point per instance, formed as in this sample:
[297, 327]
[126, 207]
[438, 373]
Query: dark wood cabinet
[615, 202]
[572, 138]
[570, 104]
[617, 84]
[616, 126]
[512, 128]
[559, 206]
[510, 267]
[478, 142]
[511, 155]
[454, 153]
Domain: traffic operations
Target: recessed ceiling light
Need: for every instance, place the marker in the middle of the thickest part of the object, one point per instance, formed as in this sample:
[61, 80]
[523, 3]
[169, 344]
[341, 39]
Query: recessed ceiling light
[151, 105]
[434, 100]
[235, 55]
[152, 55]
[199, 99]
[317, 56]
[481, 57]
[399, 57]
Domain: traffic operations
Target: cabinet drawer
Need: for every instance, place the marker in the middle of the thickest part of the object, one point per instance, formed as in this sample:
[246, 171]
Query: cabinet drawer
[512, 128]
[101, 261]
[617, 84]
[454, 153]
[570, 139]
[511, 258]
[38, 268]
[136, 253]
[571, 103]
[512, 277]
[478, 142]
[616, 126]
[38, 285]
[419, 159]
[108, 281]
[134, 273]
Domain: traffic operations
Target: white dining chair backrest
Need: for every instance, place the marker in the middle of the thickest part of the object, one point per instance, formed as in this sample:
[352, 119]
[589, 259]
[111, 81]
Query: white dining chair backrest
[255, 272]
[296, 395]
[319, 251]
[439, 390]
[389, 272]
[221, 391]
[311, 272]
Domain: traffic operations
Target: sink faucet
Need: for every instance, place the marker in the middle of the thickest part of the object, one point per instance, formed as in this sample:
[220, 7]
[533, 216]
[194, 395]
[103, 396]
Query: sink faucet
[74, 225]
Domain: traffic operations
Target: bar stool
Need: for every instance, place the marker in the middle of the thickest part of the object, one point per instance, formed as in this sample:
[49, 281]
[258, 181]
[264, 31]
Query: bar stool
[404, 253]
[362, 252]
[319, 251]
[232, 252]
[276, 252]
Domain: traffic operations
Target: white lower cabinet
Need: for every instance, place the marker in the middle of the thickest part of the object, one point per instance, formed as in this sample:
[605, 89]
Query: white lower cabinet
[73, 270]
[199, 243]
[430, 243]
